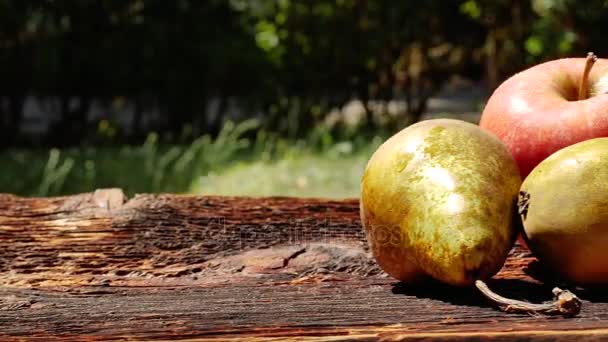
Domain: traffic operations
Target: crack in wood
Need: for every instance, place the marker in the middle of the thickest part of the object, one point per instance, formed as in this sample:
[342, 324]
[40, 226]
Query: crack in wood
[293, 256]
[13, 303]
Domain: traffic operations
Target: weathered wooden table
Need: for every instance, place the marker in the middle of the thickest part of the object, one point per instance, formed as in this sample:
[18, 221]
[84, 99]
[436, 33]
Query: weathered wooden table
[164, 267]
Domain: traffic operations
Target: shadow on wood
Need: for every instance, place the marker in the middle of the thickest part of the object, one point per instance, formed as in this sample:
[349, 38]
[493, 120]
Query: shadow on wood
[469, 296]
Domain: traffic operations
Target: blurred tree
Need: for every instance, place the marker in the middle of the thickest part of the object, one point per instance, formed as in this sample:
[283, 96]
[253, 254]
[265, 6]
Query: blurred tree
[326, 52]
[567, 28]
[287, 61]
[16, 43]
[507, 23]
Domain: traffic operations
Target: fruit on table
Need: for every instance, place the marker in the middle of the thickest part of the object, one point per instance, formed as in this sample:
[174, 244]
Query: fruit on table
[548, 107]
[437, 200]
[564, 207]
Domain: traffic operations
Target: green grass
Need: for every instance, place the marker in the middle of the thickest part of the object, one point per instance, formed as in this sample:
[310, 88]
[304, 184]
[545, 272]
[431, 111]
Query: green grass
[230, 164]
[335, 173]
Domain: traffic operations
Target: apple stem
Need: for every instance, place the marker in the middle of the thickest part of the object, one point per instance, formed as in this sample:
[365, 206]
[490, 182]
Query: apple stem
[583, 85]
[565, 303]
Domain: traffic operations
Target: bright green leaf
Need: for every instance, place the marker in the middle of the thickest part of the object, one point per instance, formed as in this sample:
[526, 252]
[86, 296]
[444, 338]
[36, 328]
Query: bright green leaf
[534, 45]
[471, 8]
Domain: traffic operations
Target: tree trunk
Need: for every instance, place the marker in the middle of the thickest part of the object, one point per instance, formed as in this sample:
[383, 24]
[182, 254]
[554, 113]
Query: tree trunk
[138, 111]
[16, 103]
[492, 72]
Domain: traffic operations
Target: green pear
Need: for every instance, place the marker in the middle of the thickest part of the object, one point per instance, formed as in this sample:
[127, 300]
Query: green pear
[437, 201]
[564, 208]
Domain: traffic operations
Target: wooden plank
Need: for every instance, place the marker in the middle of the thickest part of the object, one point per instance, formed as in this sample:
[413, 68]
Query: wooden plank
[151, 238]
[165, 267]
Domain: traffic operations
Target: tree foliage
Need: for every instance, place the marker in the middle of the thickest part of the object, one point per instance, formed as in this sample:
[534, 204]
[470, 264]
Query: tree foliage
[287, 61]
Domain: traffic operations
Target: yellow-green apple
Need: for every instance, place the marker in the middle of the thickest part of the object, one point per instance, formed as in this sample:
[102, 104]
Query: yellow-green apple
[549, 106]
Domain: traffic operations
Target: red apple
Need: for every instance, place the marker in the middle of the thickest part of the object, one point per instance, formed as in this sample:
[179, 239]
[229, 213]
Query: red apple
[549, 106]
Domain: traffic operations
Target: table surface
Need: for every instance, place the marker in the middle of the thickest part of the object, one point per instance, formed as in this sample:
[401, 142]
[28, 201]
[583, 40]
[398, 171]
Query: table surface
[96, 266]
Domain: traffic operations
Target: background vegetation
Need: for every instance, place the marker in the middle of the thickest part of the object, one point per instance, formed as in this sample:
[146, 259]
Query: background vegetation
[246, 96]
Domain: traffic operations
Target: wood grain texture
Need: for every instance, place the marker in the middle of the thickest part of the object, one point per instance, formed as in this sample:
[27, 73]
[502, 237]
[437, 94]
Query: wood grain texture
[165, 267]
